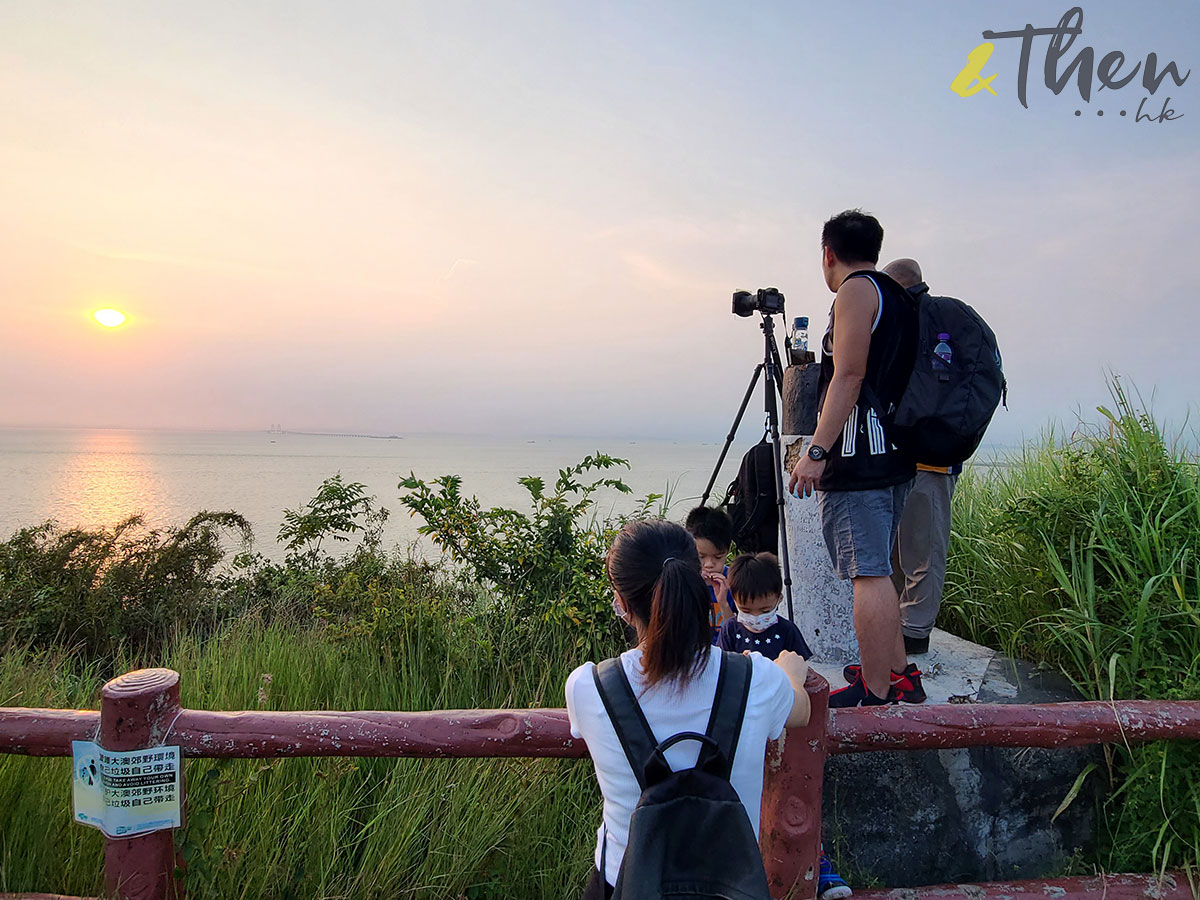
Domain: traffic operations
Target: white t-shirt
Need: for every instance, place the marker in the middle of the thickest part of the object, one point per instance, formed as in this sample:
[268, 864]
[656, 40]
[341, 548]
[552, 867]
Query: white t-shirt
[669, 711]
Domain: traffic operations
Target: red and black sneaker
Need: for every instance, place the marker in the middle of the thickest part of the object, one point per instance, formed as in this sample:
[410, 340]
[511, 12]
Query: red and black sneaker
[906, 685]
[858, 694]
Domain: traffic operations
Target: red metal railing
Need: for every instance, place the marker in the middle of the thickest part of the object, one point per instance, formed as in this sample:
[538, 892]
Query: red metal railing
[141, 709]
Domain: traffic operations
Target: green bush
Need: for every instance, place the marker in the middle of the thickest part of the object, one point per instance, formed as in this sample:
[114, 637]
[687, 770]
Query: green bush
[97, 590]
[548, 564]
[367, 629]
[337, 511]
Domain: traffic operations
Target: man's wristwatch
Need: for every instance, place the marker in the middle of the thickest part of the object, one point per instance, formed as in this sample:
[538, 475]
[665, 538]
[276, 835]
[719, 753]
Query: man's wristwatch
[816, 454]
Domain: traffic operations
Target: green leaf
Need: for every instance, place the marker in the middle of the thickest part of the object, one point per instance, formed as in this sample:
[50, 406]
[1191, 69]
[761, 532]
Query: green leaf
[1074, 791]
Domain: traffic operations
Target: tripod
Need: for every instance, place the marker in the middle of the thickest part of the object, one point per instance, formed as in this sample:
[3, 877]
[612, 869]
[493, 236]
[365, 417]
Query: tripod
[772, 365]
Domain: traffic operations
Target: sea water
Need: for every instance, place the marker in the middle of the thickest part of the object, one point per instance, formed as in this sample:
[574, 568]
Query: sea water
[98, 477]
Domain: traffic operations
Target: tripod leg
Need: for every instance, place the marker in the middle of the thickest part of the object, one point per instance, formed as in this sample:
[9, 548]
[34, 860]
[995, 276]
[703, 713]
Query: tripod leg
[772, 409]
[784, 555]
[737, 420]
[778, 366]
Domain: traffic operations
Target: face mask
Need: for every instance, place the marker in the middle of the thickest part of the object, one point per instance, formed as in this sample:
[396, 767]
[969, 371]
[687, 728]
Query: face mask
[758, 623]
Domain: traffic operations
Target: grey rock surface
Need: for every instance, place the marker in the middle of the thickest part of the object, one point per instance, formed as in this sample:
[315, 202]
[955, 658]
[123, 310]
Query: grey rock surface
[925, 817]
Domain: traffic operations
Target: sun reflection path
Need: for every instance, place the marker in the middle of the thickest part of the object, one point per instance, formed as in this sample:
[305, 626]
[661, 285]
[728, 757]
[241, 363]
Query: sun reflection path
[108, 479]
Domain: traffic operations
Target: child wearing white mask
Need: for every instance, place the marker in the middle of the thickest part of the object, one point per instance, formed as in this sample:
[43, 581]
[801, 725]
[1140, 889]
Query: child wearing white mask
[757, 589]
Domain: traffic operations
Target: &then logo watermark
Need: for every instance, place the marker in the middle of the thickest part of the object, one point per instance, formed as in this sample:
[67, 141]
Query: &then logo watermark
[971, 81]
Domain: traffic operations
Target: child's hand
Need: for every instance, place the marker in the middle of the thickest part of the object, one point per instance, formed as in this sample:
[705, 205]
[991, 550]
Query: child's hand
[720, 584]
[794, 666]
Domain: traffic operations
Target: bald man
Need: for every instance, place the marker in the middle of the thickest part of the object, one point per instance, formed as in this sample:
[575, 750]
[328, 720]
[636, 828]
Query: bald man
[923, 538]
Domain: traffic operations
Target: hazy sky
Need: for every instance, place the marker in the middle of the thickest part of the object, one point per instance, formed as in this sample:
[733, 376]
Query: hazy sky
[528, 217]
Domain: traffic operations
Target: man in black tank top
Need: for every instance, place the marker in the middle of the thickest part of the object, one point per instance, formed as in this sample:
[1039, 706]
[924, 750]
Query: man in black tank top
[860, 479]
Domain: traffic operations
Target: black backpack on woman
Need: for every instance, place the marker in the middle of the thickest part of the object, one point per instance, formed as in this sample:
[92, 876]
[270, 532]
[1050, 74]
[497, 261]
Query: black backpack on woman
[690, 837]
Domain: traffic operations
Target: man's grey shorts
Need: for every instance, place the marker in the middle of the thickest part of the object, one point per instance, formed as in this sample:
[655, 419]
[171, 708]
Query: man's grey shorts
[860, 528]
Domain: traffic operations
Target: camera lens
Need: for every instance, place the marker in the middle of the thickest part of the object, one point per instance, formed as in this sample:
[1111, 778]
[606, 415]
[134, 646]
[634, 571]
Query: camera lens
[744, 303]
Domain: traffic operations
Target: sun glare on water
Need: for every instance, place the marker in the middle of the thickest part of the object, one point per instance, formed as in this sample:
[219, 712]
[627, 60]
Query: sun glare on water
[109, 318]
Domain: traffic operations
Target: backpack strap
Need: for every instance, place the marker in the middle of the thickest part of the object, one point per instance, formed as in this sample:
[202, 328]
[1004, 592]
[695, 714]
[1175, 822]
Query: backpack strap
[729, 705]
[866, 392]
[628, 720]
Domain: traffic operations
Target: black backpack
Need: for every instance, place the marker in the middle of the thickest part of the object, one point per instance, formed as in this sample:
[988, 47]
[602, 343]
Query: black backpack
[690, 837]
[944, 412]
[752, 503]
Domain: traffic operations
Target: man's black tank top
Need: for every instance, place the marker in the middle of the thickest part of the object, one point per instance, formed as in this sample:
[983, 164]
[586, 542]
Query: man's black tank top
[862, 457]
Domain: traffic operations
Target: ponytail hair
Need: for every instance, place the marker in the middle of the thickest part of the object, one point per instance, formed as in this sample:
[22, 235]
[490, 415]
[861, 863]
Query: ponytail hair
[654, 567]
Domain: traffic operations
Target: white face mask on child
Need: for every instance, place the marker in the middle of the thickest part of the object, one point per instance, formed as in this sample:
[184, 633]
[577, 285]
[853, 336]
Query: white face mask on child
[758, 623]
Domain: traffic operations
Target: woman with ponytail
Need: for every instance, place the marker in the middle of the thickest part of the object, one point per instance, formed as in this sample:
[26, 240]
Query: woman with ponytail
[673, 670]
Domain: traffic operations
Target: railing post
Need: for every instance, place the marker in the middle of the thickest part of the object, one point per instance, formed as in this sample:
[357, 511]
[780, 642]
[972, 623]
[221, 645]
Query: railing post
[791, 802]
[136, 710]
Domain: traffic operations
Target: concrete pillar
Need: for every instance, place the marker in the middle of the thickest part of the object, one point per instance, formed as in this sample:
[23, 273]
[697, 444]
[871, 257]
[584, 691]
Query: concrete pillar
[824, 604]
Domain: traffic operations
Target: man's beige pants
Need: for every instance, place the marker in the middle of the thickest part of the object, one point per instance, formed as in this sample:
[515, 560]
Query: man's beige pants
[919, 557]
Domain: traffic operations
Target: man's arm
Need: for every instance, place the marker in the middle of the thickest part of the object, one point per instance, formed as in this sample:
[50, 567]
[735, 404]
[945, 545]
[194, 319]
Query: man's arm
[854, 311]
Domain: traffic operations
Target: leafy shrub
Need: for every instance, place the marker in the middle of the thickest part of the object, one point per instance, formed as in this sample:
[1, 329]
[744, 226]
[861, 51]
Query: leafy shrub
[547, 563]
[288, 589]
[334, 512]
[99, 589]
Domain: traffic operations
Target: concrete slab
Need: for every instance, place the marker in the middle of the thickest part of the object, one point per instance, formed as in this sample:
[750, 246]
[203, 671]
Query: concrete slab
[953, 671]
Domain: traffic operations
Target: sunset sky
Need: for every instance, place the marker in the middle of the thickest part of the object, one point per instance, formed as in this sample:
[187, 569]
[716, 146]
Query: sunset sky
[528, 217]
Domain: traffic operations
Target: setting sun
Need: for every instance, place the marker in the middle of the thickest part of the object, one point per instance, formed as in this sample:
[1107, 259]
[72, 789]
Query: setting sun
[109, 318]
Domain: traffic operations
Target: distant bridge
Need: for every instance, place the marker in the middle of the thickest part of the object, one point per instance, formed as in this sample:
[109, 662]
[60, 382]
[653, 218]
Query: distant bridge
[377, 437]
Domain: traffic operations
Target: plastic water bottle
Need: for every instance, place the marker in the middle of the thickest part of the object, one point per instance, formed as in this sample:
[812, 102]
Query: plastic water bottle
[800, 333]
[942, 354]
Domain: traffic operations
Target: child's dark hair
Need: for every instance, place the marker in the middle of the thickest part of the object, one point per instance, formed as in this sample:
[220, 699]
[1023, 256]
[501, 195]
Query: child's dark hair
[710, 523]
[755, 575]
[654, 567]
[853, 236]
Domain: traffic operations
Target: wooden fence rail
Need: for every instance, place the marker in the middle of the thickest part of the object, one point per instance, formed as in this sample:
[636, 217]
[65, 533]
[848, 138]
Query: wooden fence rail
[545, 732]
[141, 709]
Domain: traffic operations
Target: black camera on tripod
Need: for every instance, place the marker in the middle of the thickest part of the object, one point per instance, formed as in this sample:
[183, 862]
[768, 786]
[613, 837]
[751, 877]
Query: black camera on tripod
[768, 301]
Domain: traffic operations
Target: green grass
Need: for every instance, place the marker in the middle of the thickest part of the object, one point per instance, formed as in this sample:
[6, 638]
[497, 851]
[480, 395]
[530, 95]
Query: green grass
[327, 827]
[1084, 555]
